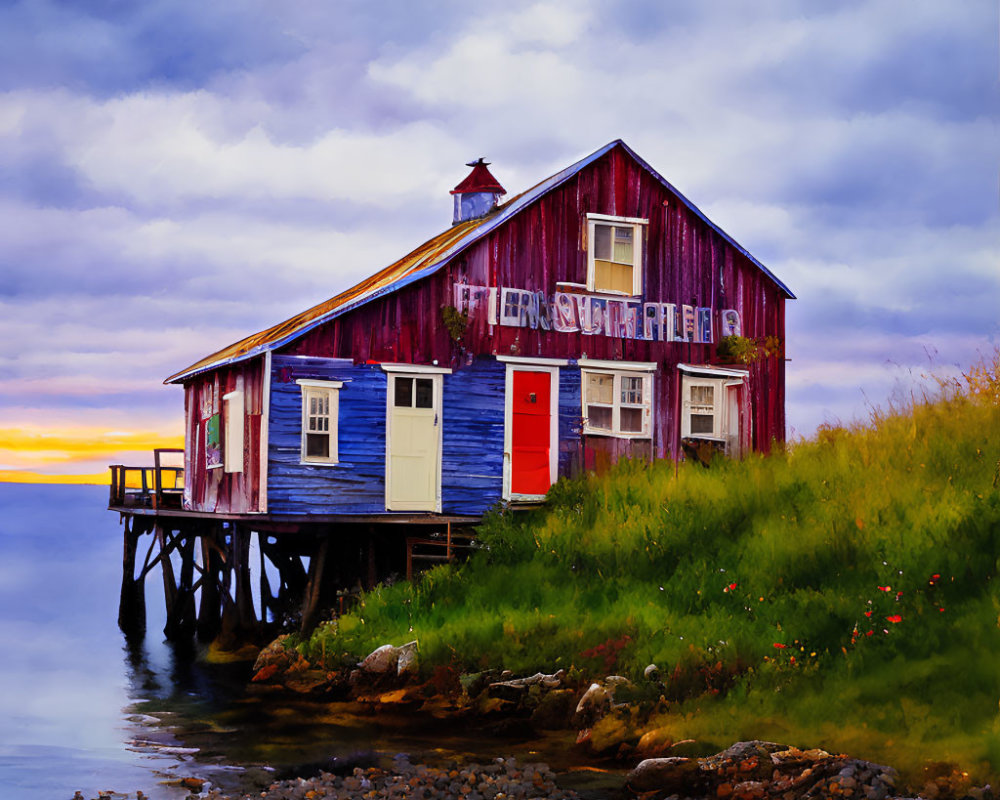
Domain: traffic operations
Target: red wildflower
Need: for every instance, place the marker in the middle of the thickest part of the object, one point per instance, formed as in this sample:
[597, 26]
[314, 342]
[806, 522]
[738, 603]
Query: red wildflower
[941, 609]
[868, 613]
[885, 588]
[730, 587]
[780, 646]
[869, 633]
[935, 576]
[895, 618]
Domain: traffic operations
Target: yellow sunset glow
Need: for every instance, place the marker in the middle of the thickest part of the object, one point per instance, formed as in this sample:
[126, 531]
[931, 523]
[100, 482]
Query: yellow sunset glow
[75, 455]
[19, 476]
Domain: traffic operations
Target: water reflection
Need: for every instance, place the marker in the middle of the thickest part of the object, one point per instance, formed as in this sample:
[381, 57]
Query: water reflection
[83, 709]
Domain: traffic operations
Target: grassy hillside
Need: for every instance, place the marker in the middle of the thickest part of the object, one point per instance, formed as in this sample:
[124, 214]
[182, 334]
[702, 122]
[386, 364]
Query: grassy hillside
[842, 594]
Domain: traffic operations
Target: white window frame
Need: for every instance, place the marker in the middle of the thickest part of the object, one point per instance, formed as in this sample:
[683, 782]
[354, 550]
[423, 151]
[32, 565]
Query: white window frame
[618, 370]
[721, 380]
[637, 225]
[718, 386]
[233, 424]
[332, 390]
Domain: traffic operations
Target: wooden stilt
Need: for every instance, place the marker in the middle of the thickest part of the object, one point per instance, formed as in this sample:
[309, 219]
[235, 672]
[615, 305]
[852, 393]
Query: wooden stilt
[209, 612]
[241, 568]
[314, 587]
[132, 600]
[186, 619]
[165, 542]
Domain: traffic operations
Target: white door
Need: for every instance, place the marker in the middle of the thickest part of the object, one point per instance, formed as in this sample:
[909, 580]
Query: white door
[413, 443]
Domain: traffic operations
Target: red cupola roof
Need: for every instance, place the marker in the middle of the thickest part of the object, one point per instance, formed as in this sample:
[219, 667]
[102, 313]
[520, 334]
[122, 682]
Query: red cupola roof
[479, 180]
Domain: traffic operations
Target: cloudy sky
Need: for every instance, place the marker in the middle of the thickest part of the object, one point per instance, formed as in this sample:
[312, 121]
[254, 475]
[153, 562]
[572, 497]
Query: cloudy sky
[176, 174]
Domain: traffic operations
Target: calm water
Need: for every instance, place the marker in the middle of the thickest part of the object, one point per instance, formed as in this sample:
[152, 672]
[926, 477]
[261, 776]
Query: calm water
[81, 710]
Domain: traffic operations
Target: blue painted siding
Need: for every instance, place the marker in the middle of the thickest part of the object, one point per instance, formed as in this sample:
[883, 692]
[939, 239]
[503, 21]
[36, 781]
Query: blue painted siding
[472, 439]
[570, 420]
[355, 485]
[472, 466]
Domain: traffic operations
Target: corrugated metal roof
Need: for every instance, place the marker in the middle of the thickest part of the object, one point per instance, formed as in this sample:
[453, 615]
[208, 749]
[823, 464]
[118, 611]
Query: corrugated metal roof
[427, 259]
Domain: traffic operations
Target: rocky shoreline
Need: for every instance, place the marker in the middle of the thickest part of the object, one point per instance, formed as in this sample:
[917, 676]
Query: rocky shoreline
[614, 719]
[615, 722]
[753, 770]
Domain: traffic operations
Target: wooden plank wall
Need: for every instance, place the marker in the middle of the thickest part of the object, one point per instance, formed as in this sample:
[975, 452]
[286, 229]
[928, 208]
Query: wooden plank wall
[214, 489]
[472, 439]
[356, 484]
[685, 262]
[472, 458]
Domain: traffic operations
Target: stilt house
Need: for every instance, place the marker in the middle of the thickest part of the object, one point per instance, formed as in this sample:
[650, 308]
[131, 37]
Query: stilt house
[577, 323]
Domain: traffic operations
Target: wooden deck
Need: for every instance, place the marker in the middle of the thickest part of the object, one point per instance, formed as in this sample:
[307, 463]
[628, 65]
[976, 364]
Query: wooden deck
[322, 561]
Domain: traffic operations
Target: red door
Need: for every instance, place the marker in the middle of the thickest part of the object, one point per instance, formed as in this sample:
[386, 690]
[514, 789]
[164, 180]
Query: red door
[531, 432]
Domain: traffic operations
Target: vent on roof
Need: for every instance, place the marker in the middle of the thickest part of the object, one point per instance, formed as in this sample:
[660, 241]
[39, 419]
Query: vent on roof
[477, 195]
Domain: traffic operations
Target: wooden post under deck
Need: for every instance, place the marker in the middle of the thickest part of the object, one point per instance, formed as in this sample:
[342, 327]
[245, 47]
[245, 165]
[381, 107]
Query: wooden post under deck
[132, 600]
[314, 586]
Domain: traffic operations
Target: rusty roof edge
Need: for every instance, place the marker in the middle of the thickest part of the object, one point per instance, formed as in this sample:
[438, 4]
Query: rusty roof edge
[508, 210]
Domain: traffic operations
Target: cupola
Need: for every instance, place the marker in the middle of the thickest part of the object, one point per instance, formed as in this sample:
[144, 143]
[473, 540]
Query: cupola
[478, 194]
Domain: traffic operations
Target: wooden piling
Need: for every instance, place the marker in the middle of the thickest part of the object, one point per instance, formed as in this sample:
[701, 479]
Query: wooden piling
[314, 586]
[132, 600]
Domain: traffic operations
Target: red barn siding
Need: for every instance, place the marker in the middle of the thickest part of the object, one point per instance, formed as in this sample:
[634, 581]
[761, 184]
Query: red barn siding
[214, 489]
[685, 261]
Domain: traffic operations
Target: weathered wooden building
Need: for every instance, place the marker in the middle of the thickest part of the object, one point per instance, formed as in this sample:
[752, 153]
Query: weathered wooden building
[574, 324]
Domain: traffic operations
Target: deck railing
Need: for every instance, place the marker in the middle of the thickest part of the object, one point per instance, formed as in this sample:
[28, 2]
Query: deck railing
[159, 486]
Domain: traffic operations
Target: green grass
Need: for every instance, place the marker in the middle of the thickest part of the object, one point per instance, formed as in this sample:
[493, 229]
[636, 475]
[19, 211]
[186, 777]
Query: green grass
[842, 593]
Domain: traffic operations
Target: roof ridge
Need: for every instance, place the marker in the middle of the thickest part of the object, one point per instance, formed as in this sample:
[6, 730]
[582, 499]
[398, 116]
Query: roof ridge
[426, 259]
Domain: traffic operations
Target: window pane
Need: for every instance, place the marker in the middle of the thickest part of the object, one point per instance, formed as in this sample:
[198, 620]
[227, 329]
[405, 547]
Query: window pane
[623, 246]
[703, 423]
[599, 417]
[600, 388]
[631, 420]
[602, 242]
[425, 393]
[620, 279]
[703, 395]
[404, 392]
[317, 445]
[632, 391]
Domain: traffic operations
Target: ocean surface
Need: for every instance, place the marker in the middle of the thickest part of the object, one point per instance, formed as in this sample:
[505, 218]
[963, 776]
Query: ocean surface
[82, 709]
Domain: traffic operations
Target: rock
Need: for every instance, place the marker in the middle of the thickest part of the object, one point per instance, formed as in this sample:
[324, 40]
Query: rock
[654, 743]
[380, 661]
[554, 710]
[595, 703]
[473, 683]
[610, 733]
[275, 659]
[406, 663]
[516, 688]
[666, 775]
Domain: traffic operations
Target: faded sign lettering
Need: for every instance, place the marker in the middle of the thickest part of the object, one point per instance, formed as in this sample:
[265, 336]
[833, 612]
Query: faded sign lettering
[593, 315]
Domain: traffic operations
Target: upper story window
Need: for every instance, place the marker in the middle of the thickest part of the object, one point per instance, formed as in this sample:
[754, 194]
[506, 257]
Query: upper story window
[320, 413]
[617, 402]
[614, 254]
